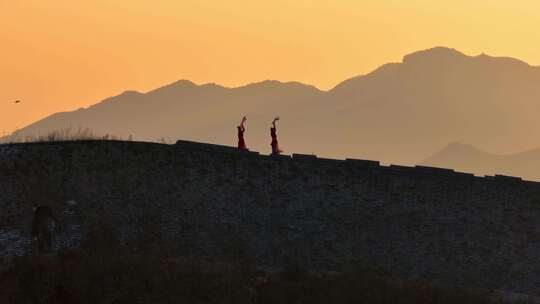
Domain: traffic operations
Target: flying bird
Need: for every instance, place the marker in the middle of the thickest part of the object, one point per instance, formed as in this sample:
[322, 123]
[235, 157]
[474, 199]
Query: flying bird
[17, 101]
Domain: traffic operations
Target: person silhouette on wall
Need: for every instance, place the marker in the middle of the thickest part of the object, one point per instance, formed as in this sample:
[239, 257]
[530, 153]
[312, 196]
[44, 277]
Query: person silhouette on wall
[241, 129]
[43, 227]
[275, 146]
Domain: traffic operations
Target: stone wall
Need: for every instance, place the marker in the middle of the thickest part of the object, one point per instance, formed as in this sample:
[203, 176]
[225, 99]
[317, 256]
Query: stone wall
[209, 200]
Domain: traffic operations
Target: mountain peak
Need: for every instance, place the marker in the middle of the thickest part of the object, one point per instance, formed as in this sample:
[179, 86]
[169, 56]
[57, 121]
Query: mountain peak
[434, 54]
[183, 82]
[276, 84]
[456, 151]
[174, 87]
[130, 93]
[458, 147]
[502, 60]
[262, 84]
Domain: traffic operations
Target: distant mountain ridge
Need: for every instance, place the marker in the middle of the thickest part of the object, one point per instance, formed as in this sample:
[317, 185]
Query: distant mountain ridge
[399, 113]
[467, 158]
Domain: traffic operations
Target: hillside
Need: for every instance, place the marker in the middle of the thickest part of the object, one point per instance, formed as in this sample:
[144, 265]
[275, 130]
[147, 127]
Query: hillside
[470, 159]
[204, 200]
[399, 113]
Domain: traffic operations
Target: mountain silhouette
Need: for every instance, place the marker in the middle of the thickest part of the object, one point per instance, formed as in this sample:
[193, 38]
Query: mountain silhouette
[467, 158]
[399, 113]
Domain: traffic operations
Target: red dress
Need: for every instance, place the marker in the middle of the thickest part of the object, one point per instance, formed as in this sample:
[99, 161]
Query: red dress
[274, 143]
[241, 142]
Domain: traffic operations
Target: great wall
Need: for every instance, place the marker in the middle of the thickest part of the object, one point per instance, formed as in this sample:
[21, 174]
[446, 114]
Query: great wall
[209, 200]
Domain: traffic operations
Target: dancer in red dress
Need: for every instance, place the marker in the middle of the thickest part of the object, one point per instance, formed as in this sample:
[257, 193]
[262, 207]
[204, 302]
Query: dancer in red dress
[275, 146]
[241, 129]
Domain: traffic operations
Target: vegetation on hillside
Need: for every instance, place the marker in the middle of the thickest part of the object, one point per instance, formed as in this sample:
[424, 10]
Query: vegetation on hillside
[69, 134]
[104, 271]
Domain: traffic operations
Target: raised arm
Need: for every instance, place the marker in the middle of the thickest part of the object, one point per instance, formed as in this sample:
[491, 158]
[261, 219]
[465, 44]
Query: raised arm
[244, 119]
[274, 121]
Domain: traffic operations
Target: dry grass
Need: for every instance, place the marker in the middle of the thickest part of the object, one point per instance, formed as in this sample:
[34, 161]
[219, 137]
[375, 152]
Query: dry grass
[66, 134]
[71, 134]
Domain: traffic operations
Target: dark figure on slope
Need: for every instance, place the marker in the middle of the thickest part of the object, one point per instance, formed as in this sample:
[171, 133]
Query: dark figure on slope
[241, 129]
[43, 227]
[275, 146]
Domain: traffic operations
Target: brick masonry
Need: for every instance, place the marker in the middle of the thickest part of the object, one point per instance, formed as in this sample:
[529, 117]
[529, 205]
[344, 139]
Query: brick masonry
[209, 200]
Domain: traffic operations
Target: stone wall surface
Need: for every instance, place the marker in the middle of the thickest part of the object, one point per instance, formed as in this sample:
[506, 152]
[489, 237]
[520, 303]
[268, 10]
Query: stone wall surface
[208, 200]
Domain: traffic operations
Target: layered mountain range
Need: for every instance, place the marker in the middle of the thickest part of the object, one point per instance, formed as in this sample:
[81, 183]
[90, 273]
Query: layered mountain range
[400, 113]
[462, 157]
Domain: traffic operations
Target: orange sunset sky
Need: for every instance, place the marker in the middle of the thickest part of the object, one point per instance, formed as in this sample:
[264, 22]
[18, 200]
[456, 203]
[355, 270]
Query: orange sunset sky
[61, 55]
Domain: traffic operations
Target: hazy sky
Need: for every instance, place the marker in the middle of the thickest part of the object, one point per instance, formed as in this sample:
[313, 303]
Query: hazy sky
[63, 54]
